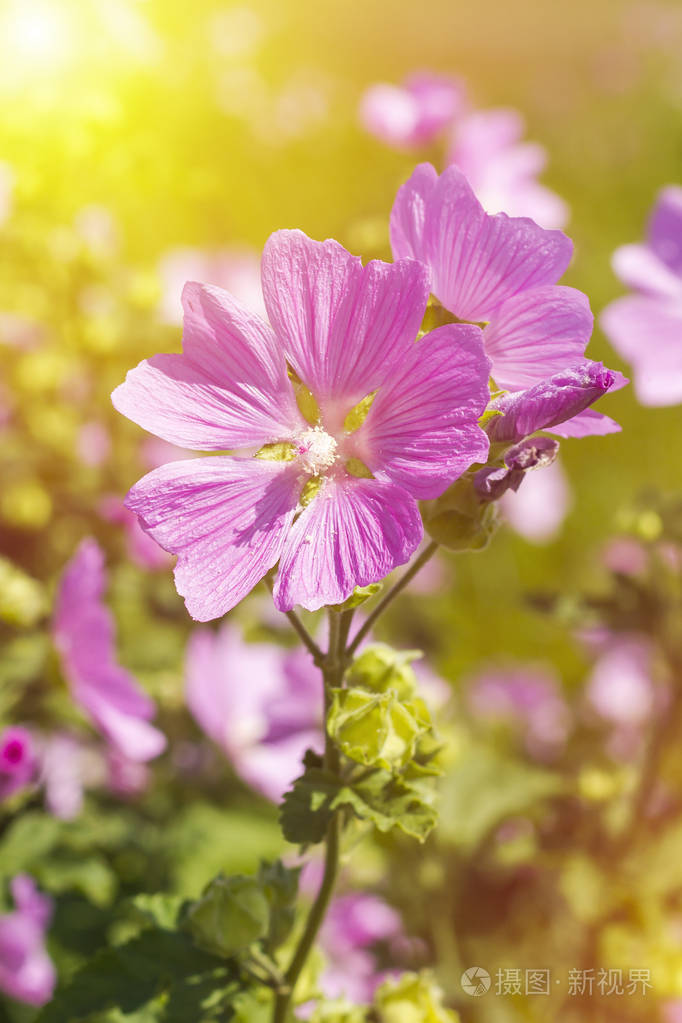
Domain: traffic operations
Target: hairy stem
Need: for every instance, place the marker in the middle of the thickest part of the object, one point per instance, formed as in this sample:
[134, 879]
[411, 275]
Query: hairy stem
[406, 578]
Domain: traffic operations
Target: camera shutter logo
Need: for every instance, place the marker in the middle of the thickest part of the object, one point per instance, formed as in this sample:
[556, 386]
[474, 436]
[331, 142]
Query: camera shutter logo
[475, 981]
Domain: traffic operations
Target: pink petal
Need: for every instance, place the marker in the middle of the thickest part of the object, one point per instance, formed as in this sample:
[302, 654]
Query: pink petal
[538, 508]
[225, 518]
[84, 636]
[589, 423]
[229, 683]
[537, 333]
[341, 325]
[228, 389]
[477, 260]
[647, 332]
[665, 228]
[408, 215]
[422, 430]
[639, 267]
[353, 533]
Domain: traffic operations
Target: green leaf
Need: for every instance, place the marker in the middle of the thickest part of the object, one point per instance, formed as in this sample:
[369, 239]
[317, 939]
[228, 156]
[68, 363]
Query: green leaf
[160, 909]
[484, 787]
[376, 729]
[134, 976]
[232, 913]
[27, 840]
[389, 801]
[308, 807]
[280, 887]
[91, 876]
[384, 799]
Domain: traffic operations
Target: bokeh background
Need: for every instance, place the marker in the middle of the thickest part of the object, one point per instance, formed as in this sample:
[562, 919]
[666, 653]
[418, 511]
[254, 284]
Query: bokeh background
[131, 130]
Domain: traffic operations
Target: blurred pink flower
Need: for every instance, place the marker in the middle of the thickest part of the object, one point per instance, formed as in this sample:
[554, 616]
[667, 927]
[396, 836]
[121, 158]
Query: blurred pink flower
[413, 114]
[646, 328]
[503, 170]
[528, 697]
[353, 924]
[260, 704]
[625, 555]
[671, 1011]
[18, 760]
[620, 688]
[26, 970]
[237, 270]
[93, 443]
[68, 766]
[83, 631]
[538, 508]
[142, 550]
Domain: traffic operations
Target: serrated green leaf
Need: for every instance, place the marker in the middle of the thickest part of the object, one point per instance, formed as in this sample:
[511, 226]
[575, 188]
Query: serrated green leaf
[384, 799]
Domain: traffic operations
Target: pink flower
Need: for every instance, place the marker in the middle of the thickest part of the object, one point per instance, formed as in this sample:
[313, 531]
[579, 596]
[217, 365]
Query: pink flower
[26, 970]
[93, 443]
[529, 698]
[234, 269]
[340, 509]
[261, 705]
[83, 631]
[538, 508]
[18, 760]
[620, 688]
[503, 170]
[501, 271]
[646, 328]
[354, 923]
[415, 113]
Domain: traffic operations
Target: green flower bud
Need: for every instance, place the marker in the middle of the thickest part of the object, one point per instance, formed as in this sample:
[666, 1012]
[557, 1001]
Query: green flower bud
[380, 668]
[376, 729]
[232, 913]
[458, 519]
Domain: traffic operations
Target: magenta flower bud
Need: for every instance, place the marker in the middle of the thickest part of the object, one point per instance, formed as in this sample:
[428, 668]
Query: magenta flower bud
[18, 760]
[492, 482]
[549, 403]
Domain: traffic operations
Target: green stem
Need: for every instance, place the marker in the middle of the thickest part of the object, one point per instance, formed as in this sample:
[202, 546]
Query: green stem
[406, 578]
[333, 667]
[301, 631]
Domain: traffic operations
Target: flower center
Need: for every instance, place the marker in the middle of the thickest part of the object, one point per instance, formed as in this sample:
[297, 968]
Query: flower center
[316, 450]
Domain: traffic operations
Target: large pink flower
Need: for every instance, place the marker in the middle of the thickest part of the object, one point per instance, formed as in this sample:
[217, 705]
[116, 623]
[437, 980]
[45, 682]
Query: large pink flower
[340, 509]
[83, 631]
[646, 328]
[499, 271]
